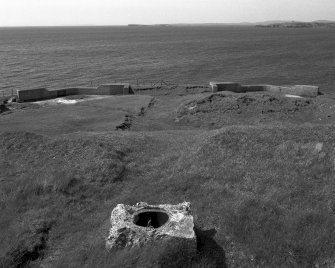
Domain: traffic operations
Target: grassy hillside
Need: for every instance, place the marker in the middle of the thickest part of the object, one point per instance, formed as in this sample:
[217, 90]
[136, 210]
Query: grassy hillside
[262, 195]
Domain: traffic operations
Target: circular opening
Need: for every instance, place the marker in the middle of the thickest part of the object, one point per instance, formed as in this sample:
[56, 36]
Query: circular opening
[154, 219]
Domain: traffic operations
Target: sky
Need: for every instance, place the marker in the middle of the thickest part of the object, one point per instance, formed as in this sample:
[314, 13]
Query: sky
[123, 12]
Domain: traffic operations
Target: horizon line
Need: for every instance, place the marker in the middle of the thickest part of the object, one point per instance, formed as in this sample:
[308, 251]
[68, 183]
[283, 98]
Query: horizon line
[162, 24]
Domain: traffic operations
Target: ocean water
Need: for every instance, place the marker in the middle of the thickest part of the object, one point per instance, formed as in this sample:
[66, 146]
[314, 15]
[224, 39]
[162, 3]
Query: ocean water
[84, 56]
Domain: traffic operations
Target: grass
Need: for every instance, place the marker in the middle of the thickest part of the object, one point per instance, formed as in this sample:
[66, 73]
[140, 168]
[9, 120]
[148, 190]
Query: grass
[91, 115]
[157, 254]
[262, 196]
[65, 182]
[214, 111]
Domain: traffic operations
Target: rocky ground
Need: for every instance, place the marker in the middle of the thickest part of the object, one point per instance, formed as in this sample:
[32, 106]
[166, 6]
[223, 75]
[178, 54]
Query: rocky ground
[257, 168]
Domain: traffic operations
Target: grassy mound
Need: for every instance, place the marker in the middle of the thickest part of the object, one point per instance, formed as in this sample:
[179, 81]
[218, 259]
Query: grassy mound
[217, 110]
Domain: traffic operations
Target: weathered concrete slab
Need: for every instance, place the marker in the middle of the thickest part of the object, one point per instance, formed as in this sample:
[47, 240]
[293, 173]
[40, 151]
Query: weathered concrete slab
[143, 223]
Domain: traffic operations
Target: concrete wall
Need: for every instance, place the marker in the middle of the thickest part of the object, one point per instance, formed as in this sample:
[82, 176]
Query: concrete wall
[225, 86]
[114, 89]
[62, 92]
[32, 94]
[299, 90]
[253, 88]
[86, 91]
[43, 93]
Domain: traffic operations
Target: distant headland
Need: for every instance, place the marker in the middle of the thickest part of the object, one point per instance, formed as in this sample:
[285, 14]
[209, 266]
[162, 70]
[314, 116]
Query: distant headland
[298, 24]
[263, 24]
[146, 25]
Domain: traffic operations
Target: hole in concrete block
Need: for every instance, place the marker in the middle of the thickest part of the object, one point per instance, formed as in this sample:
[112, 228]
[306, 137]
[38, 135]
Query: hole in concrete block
[151, 218]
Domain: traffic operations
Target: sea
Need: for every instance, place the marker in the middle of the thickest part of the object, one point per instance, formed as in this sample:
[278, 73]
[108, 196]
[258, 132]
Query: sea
[56, 57]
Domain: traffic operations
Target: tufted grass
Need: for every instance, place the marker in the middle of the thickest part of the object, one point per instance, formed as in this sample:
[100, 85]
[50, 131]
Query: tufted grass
[262, 196]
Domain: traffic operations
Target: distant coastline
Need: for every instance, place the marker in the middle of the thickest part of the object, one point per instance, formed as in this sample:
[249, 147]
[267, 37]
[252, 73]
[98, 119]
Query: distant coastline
[265, 24]
[147, 25]
[298, 24]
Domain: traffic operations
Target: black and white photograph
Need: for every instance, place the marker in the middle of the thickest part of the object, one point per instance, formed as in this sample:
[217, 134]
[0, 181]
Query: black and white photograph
[167, 134]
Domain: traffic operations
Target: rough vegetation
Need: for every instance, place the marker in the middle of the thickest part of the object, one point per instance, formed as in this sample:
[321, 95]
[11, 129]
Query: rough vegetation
[3, 108]
[218, 110]
[48, 117]
[262, 194]
[50, 186]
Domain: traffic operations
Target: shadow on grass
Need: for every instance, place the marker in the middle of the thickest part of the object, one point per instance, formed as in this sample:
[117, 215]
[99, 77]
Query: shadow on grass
[3, 108]
[208, 248]
[159, 254]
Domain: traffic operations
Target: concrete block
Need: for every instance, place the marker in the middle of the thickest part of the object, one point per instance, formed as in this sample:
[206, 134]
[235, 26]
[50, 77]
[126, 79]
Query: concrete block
[226, 86]
[135, 226]
[213, 86]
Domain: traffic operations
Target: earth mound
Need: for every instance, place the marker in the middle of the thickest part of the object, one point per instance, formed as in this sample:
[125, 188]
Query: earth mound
[217, 110]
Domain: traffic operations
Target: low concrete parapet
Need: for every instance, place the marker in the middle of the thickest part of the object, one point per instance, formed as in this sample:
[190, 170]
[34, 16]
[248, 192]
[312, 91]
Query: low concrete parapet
[299, 90]
[43, 93]
[225, 86]
[33, 94]
[86, 91]
[114, 89]
[62, 92]
[253, 88]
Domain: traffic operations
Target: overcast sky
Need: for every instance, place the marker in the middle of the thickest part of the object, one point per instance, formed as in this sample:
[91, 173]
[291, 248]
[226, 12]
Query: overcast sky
[120, 12]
